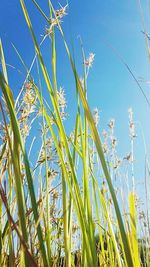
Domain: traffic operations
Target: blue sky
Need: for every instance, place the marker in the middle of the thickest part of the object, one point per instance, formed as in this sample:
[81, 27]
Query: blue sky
[110, 86]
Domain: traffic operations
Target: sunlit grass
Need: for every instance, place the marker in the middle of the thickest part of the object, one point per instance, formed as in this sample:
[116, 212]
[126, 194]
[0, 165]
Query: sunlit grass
[63, 209]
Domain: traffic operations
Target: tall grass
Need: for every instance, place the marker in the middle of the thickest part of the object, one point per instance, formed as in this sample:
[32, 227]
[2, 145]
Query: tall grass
[47, 217]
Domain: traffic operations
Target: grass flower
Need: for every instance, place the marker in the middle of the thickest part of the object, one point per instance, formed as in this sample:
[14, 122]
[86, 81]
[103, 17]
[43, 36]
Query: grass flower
[53, 23]
[96, 116]
[61, 99]
[25, 130]
[89, 61]
[131, 123]
[111, 124]
[60, 13]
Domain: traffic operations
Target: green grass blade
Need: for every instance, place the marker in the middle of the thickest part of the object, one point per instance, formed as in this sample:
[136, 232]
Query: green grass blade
[133, 234]
[3, 62]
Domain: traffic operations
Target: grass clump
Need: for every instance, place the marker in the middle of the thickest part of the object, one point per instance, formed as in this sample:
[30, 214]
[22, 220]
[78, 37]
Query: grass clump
[63, 208]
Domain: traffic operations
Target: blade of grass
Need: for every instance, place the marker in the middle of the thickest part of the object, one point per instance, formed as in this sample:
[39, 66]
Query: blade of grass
[3, 62]
[133, 233]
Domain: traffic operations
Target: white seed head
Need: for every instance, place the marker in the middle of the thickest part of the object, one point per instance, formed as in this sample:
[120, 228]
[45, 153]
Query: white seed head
[61, 99]
[89, 61]
[96, 116]
[61, 12]
[53, 22]
[131, 123]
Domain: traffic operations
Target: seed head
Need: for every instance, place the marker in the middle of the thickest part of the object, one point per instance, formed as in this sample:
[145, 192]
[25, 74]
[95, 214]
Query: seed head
[113, 142]
[61, 12]
[29, 97]
[25, 129]
[128, 157]
[111, 124]
[61, 99]
[52, 173]
[53, 22]
[89, 61]
[131, 124]
[55, 194]
[117, 163]
[28, 85]
[96, 116]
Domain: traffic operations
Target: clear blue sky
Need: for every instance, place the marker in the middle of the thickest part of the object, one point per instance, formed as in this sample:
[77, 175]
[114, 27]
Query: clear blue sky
[110, 87]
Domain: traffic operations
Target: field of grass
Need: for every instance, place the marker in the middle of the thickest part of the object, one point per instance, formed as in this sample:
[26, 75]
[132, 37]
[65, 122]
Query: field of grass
[63, 207]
